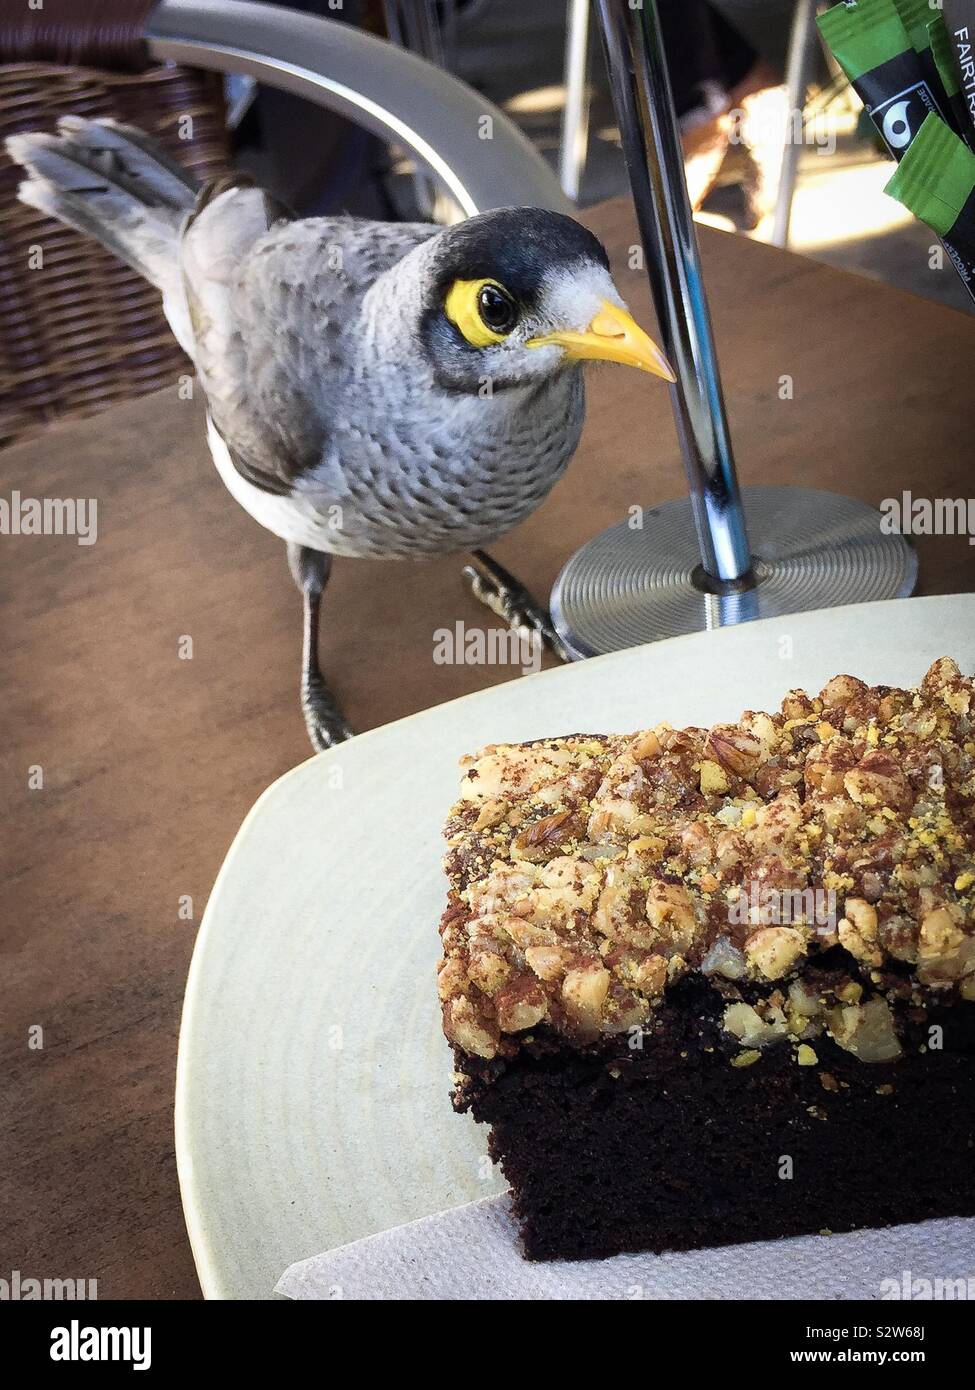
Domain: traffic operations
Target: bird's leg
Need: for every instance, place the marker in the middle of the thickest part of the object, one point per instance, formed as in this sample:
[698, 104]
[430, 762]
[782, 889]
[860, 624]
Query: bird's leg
[499, 590]
[323, 718]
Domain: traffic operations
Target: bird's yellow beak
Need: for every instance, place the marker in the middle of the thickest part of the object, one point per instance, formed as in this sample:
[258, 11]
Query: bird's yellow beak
[613, 336]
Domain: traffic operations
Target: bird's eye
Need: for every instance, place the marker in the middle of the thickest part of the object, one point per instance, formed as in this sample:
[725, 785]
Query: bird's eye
[497, 308]
[482, 310]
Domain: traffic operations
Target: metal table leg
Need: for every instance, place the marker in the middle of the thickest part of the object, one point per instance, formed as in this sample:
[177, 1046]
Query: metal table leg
[690, 566]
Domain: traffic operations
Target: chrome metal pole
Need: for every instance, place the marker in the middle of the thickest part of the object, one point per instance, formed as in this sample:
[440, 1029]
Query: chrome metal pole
[647, 120]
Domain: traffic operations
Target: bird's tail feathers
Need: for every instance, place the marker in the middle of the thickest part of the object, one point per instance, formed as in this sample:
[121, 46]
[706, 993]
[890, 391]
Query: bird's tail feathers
[111, 182]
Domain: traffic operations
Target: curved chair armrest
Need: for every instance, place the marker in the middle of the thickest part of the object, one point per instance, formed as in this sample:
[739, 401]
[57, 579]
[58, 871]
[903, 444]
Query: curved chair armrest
[470, 147]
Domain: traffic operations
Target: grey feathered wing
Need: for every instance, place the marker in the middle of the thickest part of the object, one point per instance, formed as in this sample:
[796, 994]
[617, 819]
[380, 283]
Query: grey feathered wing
[273, 310]
[261, 304]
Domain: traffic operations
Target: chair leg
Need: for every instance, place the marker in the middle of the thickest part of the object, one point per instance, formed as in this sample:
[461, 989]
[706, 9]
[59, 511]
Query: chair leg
[575, 120]
[801, 49]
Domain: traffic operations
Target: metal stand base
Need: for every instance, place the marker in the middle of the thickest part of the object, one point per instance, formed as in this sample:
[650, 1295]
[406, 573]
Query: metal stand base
[812, 550]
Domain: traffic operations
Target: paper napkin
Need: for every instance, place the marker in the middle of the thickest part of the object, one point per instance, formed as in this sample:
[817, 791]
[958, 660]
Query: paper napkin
[472, 1252]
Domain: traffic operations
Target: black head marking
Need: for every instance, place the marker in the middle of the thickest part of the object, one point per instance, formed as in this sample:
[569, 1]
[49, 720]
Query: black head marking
[518, 247]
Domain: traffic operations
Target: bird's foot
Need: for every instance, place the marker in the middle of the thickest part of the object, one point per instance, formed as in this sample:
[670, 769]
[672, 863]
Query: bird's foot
[499, 590]
[324, 720]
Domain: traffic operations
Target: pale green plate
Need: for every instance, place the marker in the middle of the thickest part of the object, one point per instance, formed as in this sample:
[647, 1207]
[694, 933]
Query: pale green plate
[312, 1085]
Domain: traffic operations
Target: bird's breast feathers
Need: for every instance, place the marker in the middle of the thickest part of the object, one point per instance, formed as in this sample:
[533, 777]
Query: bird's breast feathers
[415, 472]
[329, 422]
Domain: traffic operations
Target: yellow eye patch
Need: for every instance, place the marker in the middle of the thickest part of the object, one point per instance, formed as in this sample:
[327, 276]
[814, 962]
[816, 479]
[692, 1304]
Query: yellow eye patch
[462, 307]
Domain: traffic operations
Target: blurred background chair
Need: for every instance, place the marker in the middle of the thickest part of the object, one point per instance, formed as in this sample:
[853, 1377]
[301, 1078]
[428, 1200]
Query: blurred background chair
[88, 331]
[77, 341]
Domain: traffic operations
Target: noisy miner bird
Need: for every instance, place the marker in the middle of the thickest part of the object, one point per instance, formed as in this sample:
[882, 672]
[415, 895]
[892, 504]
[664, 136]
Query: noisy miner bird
[392, 390]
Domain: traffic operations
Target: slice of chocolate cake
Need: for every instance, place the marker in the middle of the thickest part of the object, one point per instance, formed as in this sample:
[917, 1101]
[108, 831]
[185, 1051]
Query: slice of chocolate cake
[719, 985]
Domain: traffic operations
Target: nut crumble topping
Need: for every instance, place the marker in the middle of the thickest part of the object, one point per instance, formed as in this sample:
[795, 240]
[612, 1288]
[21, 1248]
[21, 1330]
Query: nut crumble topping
[588, 874]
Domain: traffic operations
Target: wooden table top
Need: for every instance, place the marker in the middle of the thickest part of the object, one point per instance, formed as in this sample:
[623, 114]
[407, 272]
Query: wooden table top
[150, 761]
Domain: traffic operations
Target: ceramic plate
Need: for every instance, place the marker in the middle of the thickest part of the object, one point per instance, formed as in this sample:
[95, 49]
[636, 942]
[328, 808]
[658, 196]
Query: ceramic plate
[312, 1086]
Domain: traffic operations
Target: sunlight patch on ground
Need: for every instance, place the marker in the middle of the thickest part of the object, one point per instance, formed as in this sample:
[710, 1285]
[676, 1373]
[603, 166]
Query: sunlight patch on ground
[538, 102]
[843, 205]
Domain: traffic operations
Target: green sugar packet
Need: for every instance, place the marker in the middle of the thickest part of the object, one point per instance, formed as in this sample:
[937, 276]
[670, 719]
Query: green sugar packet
[898, 87]
[936, 181]
[960, 23]
[946, 61]
[864, 36]
[928, 32]
[916, 15]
